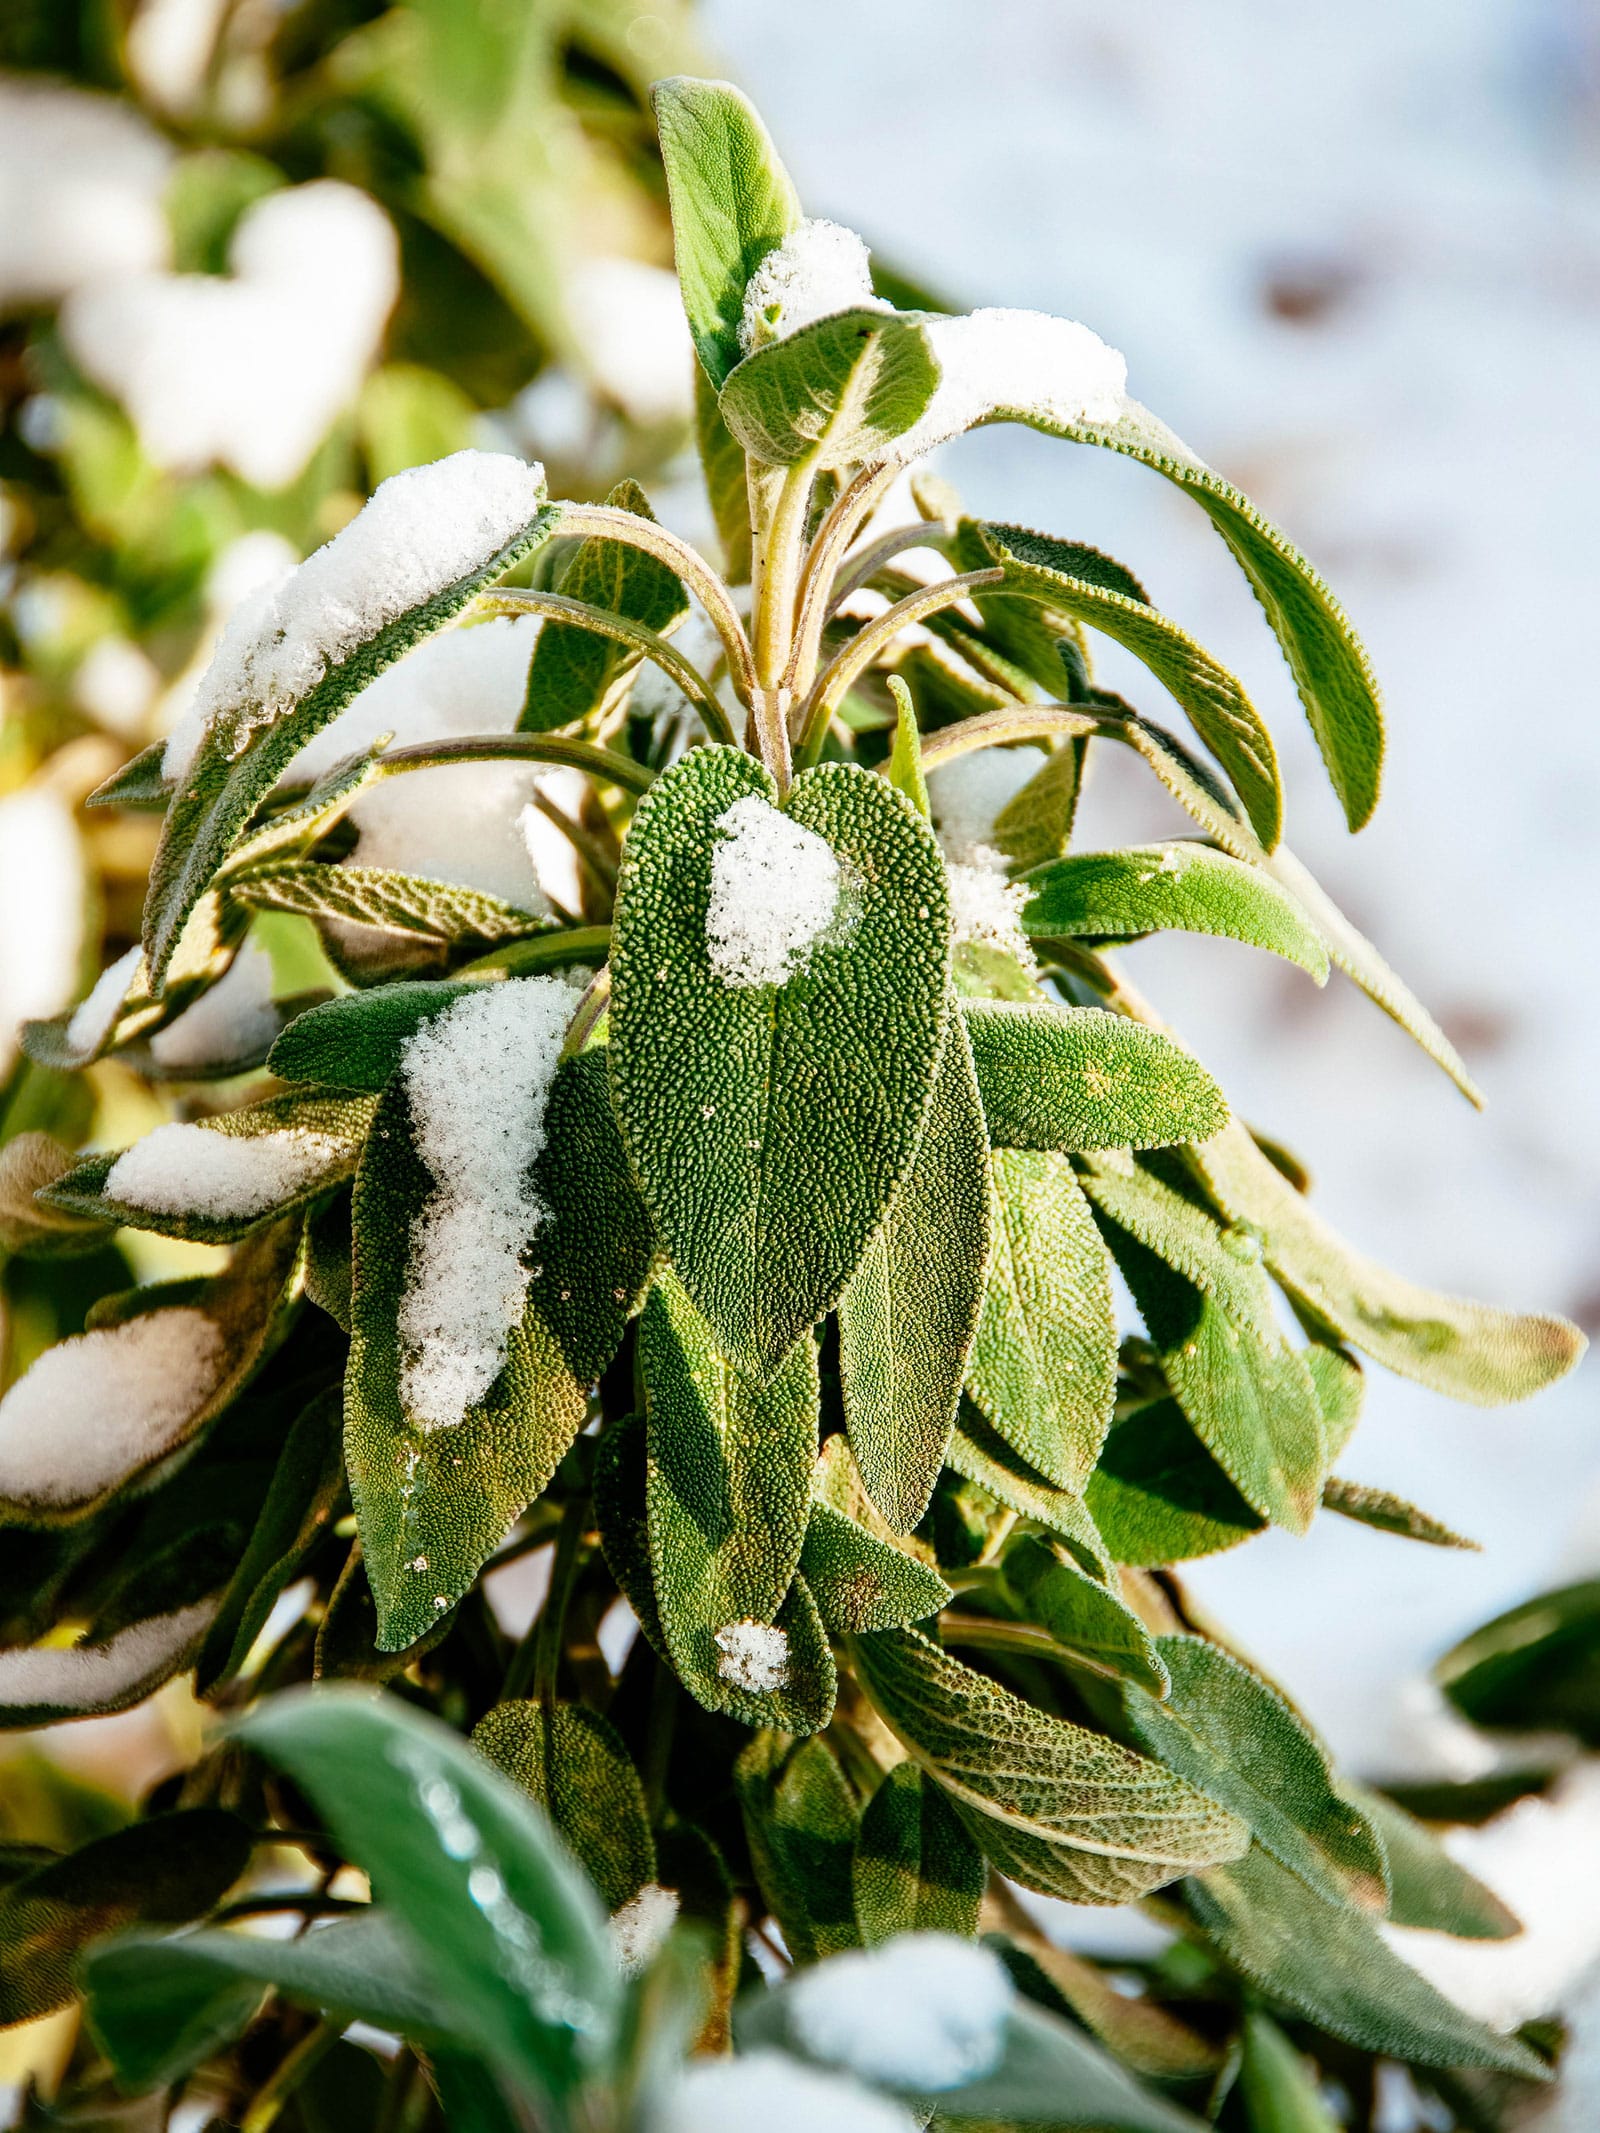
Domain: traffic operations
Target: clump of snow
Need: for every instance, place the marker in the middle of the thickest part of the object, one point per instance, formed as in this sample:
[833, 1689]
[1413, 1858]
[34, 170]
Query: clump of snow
[818, 269]
[753, 1656]
[642, 1925]
[41, 910]
[478, 1082]
[81, 180]
[629, 321]
[985, 908]
[248, 369]
[196, 1170]
[116, 683]
[774, 892]
[1022, 362]
[967, 796]
[419, 533]
[1532, 1856]
[95, 1016]
[771, 2092]
[87, 1677]
[169, 46]
[234, 1020]
[924, 2011]
[100, 1406]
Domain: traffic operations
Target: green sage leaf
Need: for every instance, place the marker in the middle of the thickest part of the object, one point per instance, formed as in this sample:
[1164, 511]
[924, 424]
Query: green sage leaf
[860, 1582]
[1084, 1615]
[801, 1819]
[1388, 1513]
[1158, 1496]
[1533, 1667]
[979, 1455]
[390, 902]
[1079, 1078]
[572, 1761]
[834, 393]
[572, 670]
[1427, 1888]
[915, 1868]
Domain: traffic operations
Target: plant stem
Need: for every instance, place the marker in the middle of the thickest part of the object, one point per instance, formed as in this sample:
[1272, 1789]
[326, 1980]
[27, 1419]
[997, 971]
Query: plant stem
[537, 1661]
[602, 763]
[601, 623]
[286, 2077]
[590, 1008]
[863, 567]
[543, 951]
[845, 517]
[1021, 1638]
[597, 863]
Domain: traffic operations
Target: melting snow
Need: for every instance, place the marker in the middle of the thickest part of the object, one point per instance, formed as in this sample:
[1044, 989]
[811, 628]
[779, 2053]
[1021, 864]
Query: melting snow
[86, 1677]
[774, 891]
[197, 1170]
[101, 1405]
[753, 1656]
[818, 269]
[420, 532]
[1024, 362]
[924, 2011]
[777, 2094]
[985, 908]
[478, 1081]
[95, 1017]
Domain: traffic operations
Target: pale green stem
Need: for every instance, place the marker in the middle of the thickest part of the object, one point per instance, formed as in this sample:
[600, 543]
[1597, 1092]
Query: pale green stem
[853, 659]
[1028, 722]
[602, 763]
[1021, 1638]
[608, 523]
[542, 951]
[844, 518]
[862, 567]
[595, 1001]
[281, 2084]
[621, 630]
[780, 538]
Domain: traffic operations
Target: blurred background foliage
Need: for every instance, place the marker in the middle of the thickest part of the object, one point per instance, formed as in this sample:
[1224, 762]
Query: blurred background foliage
[255, 258]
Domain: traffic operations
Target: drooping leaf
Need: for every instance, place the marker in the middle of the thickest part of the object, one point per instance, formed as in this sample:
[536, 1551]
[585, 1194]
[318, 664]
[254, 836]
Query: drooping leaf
[832, 394]
[432, 1504]
[162, 1872]
[728, 1497]
[905, 751]
[1225, 1730]
[1330, 666]
[1247, 1392]
[1388, 1513]
[1092, 589]
[1181, 886]
[801, 1818]
[141, 783]
[860, 1582]
[909, 1317]
[1158, 1496]
[1329, 1963]
[409, 904]
[1145, 2036]
[1035, 825]
[915, 1867]
[572, 670]
[1427, 1888]
[731, 202]
[307, 1485]
[356, 1041]
[1058, 1808]
[1084, 1615]
[501, 1922]
[231, 775]
[1043, 1366]
[1465, 1350]
[572, 1761]
[1533, 1667]
[977, 1453]
[765, 1155]
[158, 2007]
[1079, 1078]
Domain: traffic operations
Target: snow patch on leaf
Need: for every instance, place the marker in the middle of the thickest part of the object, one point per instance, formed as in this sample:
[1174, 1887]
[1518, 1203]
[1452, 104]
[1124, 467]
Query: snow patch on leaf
[420, 532]
[968, 796]
[753, 1656]
[818, 269]
[778, 2094]
[923, 2011]
[87, 1677]
[774, 892]
[985, 908]
[642, 1925]
[998, 360]
[95, 1017]
[196, 1170]
[102, 1405]
[234, 1020]
[477, 1079]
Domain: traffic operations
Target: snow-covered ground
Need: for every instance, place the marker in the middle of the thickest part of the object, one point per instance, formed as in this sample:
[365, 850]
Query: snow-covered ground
[1353, 256]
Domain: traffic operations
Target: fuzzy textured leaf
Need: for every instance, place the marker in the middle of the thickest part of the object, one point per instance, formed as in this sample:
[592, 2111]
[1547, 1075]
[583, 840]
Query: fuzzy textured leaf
[1079, 1078]
[1387, 1513]
[860, 1582]
[572, 670]
[977, 1453]
[837, 392]
[801, 1818]
[1083, 1615]
[1158, 1496]
[573, 1763]
[915, 1869]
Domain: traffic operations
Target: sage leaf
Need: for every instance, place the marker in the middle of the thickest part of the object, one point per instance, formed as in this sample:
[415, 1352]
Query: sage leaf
[141, 784]
[165, 1871]
[835, 393]
[722, 463]
[860, 1582]
[1280, 2090]
[728, 1497]
[1330, 666]
[731, 203]
[573, 671]
[1229, 1733]
[905, 751]
[1466, 1350]
[1532, 1667]
[915, 1868]
[765, 1155]
[1061, 1809]
[1084, 1615]
[357, 1040]
[31, 1228]
[432, 1504]
[237, 765]
[499, 1918]
[1388, 1513]
[1144, 2036]
[1092, 589]
[1427, 1889]
[390, 902]
[909, 1317]
[572, 1761]
[801, 1819]
[1080, 1078]
[1180, 886]
[1329, 1963]
[1158, 1496]
[977, 1453]
[1043, 1367]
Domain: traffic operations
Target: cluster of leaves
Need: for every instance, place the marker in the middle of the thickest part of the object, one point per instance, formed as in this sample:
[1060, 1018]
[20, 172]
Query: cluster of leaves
[818, 1356]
